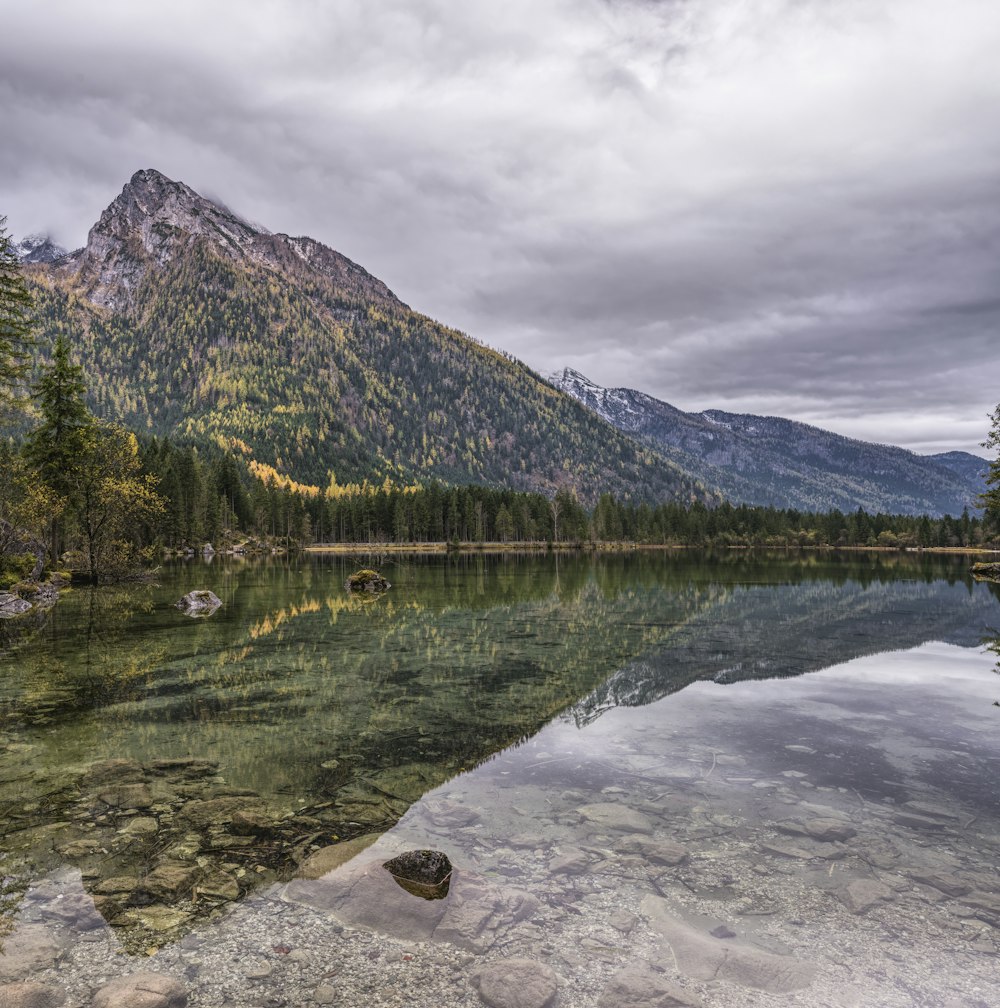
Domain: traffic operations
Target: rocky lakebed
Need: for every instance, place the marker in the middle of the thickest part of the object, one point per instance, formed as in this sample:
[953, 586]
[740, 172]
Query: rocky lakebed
[648, 859]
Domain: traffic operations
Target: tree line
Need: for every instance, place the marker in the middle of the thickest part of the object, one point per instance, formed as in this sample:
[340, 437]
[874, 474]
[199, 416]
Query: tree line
[477, 514]
[88, 494]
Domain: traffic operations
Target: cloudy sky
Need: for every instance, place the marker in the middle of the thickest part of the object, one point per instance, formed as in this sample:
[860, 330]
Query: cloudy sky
[773, 206]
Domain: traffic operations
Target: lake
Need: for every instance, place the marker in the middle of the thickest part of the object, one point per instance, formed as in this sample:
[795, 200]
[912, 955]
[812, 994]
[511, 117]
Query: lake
[662, 778]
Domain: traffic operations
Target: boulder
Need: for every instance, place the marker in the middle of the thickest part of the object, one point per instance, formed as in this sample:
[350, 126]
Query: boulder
[516, 982]
[425, 873]
[366, 580]
[988, 571]
[141, 990]
[12, 605]
[199, 603]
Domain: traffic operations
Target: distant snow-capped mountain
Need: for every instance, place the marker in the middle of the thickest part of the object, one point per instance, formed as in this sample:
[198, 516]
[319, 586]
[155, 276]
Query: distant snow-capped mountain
[38, 248]
[783, 463]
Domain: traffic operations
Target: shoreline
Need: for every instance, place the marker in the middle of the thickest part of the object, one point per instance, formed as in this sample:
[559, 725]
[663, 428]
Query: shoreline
[620, 547]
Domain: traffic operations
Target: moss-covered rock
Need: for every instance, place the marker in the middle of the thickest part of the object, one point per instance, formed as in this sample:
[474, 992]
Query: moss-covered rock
[366, 580]
[988, 571]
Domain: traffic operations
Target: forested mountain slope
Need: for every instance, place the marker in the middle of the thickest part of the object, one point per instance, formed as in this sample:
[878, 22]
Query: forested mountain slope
[195, 323]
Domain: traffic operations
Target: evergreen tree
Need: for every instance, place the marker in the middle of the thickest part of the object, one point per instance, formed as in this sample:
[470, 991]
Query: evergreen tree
[55, 446]
[991, 498]
[16, 325]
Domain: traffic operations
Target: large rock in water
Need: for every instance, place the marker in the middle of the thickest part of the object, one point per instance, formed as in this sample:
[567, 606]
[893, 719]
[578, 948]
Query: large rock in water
[367, 581]
[989, 571]
[12, 605]
[425, 873]
[475, 915]
[199, 603]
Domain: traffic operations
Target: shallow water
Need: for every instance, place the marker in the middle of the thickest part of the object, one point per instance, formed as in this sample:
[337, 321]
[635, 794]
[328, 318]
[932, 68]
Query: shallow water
[798, 755]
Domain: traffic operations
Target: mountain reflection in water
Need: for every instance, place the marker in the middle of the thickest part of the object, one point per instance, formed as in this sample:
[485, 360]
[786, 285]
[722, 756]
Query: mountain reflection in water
[188, 763]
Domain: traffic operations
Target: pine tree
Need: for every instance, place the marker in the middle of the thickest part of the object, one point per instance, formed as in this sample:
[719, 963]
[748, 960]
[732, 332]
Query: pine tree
[57, 443]
[991, 498]
[16, 325]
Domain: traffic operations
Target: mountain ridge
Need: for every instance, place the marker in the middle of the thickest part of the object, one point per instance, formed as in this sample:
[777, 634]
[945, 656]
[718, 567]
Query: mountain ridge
[778, 462]
[193, 323]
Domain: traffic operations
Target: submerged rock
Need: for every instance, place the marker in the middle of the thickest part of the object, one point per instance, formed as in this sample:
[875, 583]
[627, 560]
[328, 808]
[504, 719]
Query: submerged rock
[141, 990]
[516, 982]
[475, 916]
[702, 957]
[640, 986]
[614, 816]
[199, 603]
[328, 859]
[862, 894]
[30, 995]
[367, 580]
[29, 950]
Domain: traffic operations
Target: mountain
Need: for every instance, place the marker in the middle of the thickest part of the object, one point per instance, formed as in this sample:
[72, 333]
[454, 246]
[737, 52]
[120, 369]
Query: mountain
[193, 322]
[38, 248]
[969, 467]
[778, 462]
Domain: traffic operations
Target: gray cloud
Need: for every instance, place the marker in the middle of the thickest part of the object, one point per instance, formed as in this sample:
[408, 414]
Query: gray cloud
[781, 206]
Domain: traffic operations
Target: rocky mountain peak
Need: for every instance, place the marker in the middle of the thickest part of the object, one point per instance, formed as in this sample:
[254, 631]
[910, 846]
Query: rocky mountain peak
[154, 219]
[38, 248]
[568, 376]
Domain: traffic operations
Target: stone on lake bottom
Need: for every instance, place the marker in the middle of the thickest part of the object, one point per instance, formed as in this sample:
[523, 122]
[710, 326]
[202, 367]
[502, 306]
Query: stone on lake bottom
[516, 983]
[28, 950]
[654, 850]
[141, 990]
[640, 986]
[30, 995]
[830, 830]
[862, 894]
[705, 958]
[572, 861]
[611, 815]
[950, 885]
[328, 859]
